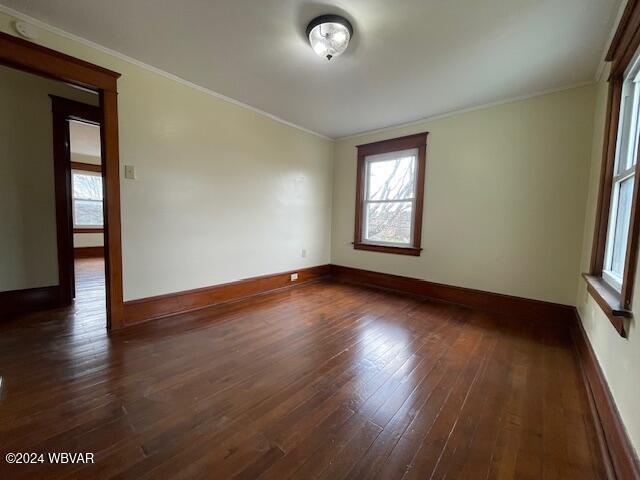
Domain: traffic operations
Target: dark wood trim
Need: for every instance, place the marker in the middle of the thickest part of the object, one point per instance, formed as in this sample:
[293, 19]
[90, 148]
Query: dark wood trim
[623, 26]
[606, 175]
[30, 57]
[388, 249]
[87, 167]
[626, 39]
[27, 56]
[112, 226]
[63, 110]
[62, 188]
[517, 307]
[88, 252]
[88, 230]
[150, 308]
[609, 301]
[29, 299]
[418, 141]
[615, 444]
[394, 144]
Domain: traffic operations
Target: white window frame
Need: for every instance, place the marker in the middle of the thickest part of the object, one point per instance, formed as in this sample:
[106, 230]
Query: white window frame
[629, 156]
[385, 157]
[74, 198]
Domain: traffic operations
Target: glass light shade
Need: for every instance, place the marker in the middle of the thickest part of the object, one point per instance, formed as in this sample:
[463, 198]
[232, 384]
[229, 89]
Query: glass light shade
[329, 39]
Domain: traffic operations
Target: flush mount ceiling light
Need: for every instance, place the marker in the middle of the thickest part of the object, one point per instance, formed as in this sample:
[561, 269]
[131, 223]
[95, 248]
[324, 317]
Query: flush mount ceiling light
[329, 35]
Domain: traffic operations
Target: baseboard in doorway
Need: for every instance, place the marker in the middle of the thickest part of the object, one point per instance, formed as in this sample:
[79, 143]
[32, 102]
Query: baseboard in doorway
[88, 252]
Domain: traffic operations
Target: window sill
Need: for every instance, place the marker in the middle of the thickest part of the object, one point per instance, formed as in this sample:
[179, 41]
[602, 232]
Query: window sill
[609, 301]
[88, 230]
[388, 249]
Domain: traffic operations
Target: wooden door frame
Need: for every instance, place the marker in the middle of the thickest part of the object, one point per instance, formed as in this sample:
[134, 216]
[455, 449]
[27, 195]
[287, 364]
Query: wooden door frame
[63, 110]
[33, 58]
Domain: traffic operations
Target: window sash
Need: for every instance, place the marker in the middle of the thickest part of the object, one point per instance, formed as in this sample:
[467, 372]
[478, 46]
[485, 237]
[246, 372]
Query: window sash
[613, 278]
[86, 173]
[365, 222]
[84, 225]
[366, 202]
[386, 157]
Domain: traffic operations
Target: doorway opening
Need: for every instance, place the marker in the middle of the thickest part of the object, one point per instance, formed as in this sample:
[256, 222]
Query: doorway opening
[19, 54]
[80, 194]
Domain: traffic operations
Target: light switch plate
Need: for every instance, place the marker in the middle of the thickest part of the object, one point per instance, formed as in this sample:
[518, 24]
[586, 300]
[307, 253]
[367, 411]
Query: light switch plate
[130, 172]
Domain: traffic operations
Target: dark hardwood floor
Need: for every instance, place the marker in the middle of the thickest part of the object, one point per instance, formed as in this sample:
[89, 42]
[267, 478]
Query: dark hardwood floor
[323, 381]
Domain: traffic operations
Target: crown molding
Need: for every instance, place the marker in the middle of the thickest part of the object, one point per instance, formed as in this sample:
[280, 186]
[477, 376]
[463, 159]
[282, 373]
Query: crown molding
[121, 56]
[466, 110]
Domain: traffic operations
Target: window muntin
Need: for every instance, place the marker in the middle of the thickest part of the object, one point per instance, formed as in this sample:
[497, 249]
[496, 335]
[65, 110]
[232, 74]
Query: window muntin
[390, 198]
[87, 199]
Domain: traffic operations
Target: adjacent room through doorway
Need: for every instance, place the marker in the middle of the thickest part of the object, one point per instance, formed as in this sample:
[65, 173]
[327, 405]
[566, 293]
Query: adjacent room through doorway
[88, 218]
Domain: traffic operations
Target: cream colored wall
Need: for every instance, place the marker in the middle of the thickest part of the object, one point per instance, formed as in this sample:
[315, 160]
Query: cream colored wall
[504, 198]
[618, 357]
[27, 205]
[222, 192]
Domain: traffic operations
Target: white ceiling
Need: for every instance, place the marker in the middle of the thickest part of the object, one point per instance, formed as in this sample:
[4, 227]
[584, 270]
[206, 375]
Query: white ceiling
[84, 138]
[409, 59]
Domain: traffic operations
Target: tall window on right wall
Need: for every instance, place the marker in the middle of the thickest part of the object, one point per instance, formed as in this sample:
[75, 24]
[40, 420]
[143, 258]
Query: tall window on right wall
[610, 280]
[622, 182]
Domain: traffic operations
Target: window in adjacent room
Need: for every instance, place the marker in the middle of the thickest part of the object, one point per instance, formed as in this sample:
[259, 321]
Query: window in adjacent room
[390, 190]
[87, 199]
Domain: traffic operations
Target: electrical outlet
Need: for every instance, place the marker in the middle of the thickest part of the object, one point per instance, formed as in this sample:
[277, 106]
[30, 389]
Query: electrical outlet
[294, 277]
[130, 172]
[304, 253]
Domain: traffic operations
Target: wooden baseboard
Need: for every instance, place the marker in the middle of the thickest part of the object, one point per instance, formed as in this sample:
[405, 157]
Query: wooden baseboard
[615, 444]
[29, 300]
[521, 308]
[137, 311]
[88, 252]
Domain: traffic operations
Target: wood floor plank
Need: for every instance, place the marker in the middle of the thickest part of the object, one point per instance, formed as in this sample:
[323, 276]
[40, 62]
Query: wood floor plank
[324, 381]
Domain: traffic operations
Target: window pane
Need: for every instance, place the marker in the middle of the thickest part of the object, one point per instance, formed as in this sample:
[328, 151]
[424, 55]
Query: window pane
[628, 127]
[87, 187]
[392, 178]
[625, 131]
[87, 212]
[388, 222]
[633, 156]
[621, 229]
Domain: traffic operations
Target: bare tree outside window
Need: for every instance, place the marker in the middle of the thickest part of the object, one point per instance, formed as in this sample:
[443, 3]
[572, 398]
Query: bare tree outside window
[87, 200]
